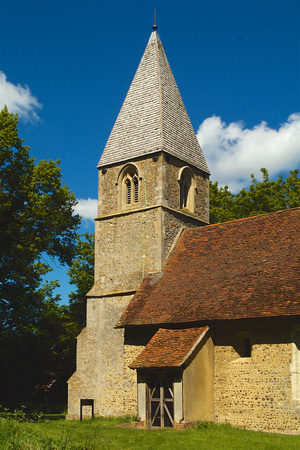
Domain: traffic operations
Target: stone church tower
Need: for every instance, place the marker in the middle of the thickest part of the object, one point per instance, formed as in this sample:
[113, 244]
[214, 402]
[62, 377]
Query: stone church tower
[153, 181]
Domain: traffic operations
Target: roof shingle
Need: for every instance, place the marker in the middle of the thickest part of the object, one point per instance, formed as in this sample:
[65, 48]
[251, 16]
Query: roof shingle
[169, 348]
[153, 117]
[247, 268]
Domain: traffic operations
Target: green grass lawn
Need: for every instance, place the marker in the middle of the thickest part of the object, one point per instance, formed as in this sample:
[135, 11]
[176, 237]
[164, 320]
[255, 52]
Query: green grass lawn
[108, 434]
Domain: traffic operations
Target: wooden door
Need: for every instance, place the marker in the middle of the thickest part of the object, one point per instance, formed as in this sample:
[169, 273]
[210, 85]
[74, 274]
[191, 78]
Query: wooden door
[160, 400]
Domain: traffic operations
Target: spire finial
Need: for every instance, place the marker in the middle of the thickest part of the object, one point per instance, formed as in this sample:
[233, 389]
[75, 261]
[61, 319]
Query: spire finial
[154, 28]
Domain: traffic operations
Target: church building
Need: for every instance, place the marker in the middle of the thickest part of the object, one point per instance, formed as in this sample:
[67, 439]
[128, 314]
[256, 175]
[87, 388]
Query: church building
[186, 321]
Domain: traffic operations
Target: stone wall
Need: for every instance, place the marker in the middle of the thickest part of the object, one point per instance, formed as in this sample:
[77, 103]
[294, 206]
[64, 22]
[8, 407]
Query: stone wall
[150, 187]
[131, 241]
[127, 246]
[134, 342]
[100, 360]
[256, 392]
[171, 172]
[198, 383]
[158, 185]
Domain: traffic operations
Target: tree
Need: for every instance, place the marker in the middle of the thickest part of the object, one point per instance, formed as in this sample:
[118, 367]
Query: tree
[36, 219]
[81, 275]
[221, 204]
[261, 197]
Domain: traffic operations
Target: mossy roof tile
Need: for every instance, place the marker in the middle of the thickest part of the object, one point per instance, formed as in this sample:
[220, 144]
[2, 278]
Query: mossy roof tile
[247, 268]
[169, 348]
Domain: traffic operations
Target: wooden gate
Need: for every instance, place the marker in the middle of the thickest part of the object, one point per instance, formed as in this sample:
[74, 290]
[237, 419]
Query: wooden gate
[160, 408]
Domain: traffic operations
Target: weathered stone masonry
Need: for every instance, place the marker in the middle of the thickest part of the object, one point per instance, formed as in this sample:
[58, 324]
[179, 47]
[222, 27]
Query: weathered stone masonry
[256, 392]
[153, 139]
[228, 293]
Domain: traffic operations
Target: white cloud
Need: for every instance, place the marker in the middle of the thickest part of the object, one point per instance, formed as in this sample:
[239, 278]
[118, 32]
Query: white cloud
[233, 152]
[18, 99]
[87, 209]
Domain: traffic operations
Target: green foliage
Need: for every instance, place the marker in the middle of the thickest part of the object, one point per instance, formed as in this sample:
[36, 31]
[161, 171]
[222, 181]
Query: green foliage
[72, 317]
[204, 425]
[20, 414]
[221, 204]
[15, 435]
[261, 197]
[108, 434]
[36, 220]
[81, 275]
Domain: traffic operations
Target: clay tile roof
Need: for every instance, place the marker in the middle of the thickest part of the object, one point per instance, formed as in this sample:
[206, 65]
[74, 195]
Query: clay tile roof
[247, 268]
[153, 116]
[169, 348]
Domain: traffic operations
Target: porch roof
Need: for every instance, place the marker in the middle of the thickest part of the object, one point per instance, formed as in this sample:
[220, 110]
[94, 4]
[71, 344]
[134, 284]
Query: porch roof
[169, 348]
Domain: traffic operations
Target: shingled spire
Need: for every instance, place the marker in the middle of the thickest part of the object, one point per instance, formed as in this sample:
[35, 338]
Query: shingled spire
[153, 117]
[154, 182]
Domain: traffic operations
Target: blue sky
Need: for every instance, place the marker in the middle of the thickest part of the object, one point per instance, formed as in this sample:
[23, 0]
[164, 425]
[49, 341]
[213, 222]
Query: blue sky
[66, 66]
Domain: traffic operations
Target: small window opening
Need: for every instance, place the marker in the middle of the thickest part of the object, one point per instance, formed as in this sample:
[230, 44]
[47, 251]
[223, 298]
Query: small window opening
[242, 344]
[248, 348]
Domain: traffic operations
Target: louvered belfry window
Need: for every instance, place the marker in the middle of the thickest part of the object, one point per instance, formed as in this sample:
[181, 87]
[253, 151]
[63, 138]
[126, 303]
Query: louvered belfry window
[128, 191]
[136, 188]
[131, 186]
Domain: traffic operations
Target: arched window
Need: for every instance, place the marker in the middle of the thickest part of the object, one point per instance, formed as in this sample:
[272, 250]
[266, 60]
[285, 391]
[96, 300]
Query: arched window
[129, 185]
[186, 183]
